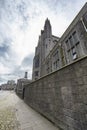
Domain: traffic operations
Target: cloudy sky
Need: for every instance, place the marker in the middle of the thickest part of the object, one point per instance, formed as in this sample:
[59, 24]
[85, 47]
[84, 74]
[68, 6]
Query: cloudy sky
[20, 25]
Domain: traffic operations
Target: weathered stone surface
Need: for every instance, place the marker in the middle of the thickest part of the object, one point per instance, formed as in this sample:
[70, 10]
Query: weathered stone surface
[16, 115]
[8, 119]
[62, 96]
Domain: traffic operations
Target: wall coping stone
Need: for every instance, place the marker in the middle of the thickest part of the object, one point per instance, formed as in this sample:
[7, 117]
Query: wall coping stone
[67, 65]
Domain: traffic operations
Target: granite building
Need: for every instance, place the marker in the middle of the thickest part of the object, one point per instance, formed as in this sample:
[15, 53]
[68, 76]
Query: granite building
[52, 53]
[74, 39]
[20, 89]
[42, 62]
[60, 65]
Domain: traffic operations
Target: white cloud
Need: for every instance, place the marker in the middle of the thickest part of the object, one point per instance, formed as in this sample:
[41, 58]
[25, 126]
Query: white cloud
[4, 69]
[20, 24]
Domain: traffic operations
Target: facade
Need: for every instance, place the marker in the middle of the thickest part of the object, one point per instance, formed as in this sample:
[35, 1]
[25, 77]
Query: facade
[20, 89]
[52, 53]
[41, 61]
[74, 40]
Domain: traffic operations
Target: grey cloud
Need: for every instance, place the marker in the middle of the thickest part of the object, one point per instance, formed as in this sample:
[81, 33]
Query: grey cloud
[26, 65]
[18, 13]
[22, 7]
[19, 72]
[5, 47]
[16, 74]
[2, 79]
[5, 77]
[28, 60]
[2, 3]
[3, 50]
[13, 11]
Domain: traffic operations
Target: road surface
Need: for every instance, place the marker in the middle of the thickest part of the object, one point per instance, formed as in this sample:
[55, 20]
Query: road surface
[16, 115]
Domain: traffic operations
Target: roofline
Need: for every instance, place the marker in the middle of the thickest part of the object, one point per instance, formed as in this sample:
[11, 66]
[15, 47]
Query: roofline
[73, 23]
[55, 36]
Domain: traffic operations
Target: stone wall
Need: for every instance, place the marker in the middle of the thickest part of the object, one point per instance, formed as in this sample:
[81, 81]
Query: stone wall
[62, 96]
[20, 88]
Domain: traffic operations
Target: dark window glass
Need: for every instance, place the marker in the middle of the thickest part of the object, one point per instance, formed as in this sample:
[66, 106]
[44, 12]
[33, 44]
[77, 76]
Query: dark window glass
[36, 61]
[67, 45]
[71, 41]
[46, 45]
[75, 38]
[74, 53]
[36, 73]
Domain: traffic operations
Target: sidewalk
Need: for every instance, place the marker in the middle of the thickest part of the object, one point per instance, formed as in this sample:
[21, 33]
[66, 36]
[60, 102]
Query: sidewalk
[25, 117]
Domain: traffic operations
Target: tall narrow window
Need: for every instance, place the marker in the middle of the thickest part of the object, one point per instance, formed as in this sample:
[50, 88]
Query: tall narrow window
[67, 45]
[74, 53]
[46, 46]
[36, 61]
[71, 41]
[75, 38]
[36, 73]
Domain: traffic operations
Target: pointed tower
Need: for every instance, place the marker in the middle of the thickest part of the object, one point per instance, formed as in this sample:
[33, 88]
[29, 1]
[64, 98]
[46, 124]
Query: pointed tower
[47, 37]
[26, 75]
[47, 29]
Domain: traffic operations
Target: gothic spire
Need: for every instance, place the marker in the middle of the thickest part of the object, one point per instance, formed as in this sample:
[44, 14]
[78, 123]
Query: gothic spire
[47, 28]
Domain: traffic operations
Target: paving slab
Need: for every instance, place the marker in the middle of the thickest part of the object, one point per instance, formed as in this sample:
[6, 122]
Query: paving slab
[24, 116]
